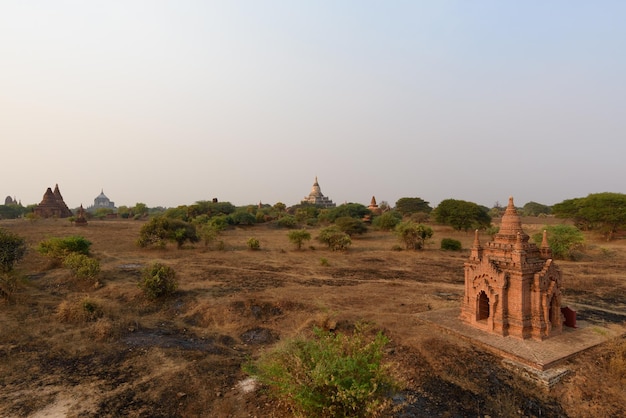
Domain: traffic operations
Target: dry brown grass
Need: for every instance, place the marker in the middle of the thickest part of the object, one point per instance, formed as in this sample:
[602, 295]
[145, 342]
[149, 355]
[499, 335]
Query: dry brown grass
[129, 356]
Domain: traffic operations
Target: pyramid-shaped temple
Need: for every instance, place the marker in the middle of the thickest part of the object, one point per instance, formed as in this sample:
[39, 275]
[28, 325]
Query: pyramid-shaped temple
[52, 205]
[512, 287]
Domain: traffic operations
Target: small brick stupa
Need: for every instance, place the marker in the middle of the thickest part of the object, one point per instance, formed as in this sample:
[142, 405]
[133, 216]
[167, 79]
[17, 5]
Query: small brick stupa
[512, 287]
[52, 205]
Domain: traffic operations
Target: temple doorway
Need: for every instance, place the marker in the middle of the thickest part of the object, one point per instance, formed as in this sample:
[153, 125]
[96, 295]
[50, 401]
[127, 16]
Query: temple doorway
[483, 306]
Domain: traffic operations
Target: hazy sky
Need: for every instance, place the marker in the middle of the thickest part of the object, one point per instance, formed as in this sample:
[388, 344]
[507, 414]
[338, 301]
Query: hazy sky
[171, 102]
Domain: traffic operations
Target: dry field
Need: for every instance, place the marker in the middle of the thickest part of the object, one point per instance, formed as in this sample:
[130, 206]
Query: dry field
[182, 357]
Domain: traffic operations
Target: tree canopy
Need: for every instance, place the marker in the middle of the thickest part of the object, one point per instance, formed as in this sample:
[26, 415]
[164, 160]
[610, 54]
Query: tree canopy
[605, 212]
[409, 205]
[462, 215]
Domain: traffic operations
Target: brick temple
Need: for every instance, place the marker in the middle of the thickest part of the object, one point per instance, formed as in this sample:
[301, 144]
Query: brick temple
[52, 205]
[512, 286]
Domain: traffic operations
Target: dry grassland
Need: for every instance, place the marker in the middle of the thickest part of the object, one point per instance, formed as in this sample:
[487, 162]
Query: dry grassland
[182, 357]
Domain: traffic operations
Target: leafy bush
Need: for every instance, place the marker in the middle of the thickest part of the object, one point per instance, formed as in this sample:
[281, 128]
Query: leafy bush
[287, 221]
[387, 221]
[253, 244]
[336, 239]
[59, 248]
[12, 250]
[351, 226]
[159, 230]
[451, 244]
[298, 236]
[158, 281]
[330, 374]
[82, 266]
[413, 235]
[564, 240]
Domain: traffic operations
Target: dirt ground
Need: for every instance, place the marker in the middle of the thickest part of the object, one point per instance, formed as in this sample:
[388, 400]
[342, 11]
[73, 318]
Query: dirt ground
[182, 357]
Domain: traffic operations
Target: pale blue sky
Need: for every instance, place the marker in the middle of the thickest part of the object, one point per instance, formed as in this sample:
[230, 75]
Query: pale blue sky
[171, 102]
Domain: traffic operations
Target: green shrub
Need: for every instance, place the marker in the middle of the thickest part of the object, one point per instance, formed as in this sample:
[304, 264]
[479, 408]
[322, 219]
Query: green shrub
[253, 244]
[324, 262]
[387, 221]
[12, 250]
[82, 266]
[158, 281]
[59, 248]
[451, 244]
[336, 239]
[298, 236]
[566, 241]
[330, 374]
[287, 221]
[161, 229]
[351, 226]
[413, 235]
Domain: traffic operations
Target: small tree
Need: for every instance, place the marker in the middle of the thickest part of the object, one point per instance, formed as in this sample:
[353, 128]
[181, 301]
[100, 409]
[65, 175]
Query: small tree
[451, 244]
[158, 281]
[298, 237]
[562, 239]
[12, 250]
[413, 235]
[387, 221]
[351, 226]
[336, 239]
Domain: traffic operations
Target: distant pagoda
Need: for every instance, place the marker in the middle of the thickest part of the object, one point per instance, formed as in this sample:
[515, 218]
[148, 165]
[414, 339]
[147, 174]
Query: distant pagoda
[52, 205]
[317, 198]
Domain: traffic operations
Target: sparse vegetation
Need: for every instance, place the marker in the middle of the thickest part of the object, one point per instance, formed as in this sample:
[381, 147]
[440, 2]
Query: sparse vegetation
[330, 374]
[82, 266]
[158, 281]
[334, 238]
[298, 237]
[59, 248]
[253, 244]
[12, 250]
[232, 305]
[413, 235]
[451, 244]
[161, 229]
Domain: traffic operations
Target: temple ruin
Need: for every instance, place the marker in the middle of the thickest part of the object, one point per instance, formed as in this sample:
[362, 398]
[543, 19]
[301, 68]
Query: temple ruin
[317, 198]
[52, 205]
[512, 287]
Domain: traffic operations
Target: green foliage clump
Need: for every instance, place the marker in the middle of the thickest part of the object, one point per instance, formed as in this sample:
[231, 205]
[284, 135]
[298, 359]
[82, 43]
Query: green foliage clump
[82, 266]
[330, 374]
[564, 240]
[12, 250]
[413, 235]
[408, 205]
[158, 281]
[604, 212]
[387, 221]
[59, 248]
[298, 237]
[462, 215]
[353, 210]
[335, 238]
[535, 209]
[351, 226]
[287, 221]
[451, 244]
[253, 244]
[161, 229]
